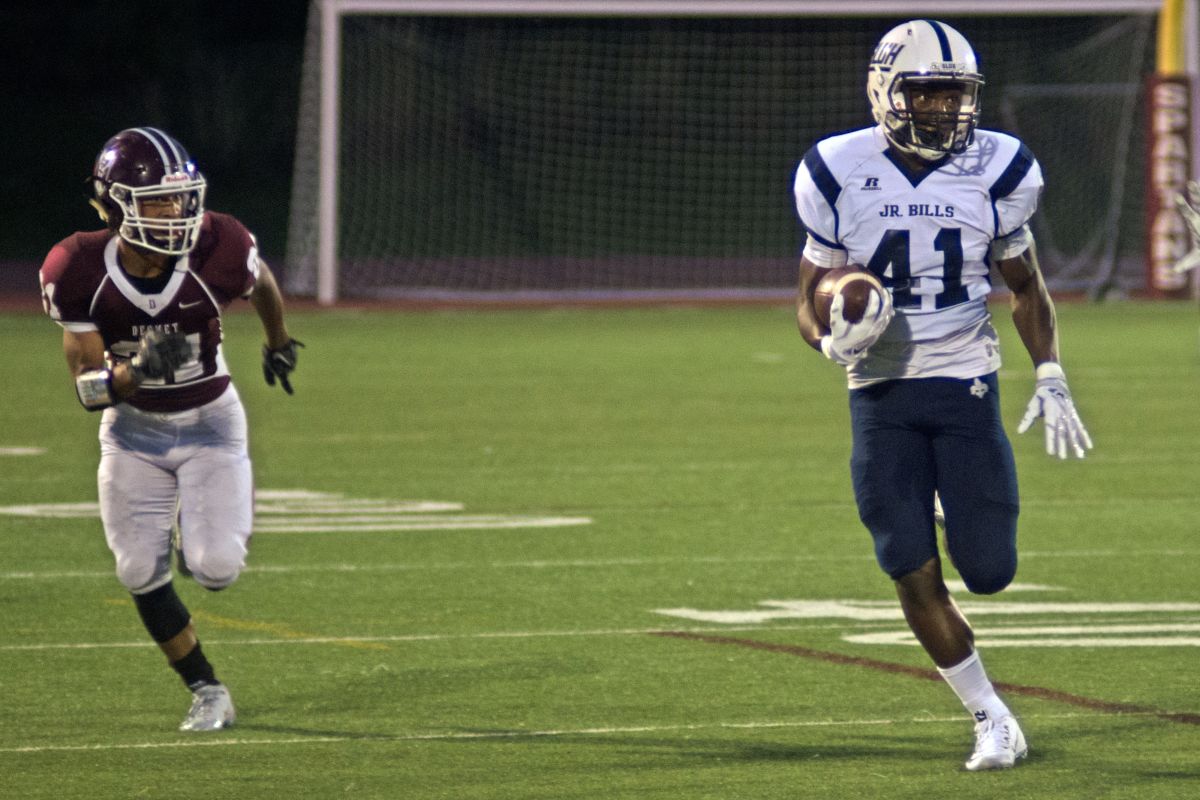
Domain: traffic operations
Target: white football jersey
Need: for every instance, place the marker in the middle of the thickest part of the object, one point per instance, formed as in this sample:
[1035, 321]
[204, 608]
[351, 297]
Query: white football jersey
[926, 236]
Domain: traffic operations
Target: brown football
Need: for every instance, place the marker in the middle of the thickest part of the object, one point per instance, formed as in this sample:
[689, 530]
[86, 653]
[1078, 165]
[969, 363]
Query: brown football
[854, 283]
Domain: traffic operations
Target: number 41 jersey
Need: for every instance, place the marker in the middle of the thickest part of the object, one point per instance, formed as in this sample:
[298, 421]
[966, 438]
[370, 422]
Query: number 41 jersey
[927, 236]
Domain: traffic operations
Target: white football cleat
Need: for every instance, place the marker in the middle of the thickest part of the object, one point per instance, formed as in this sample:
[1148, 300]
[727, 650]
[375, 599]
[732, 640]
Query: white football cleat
[212, 709]
[999, 744]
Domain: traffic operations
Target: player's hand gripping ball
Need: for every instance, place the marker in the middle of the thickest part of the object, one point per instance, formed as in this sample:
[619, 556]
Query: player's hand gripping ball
[856, 310]
[855, 284]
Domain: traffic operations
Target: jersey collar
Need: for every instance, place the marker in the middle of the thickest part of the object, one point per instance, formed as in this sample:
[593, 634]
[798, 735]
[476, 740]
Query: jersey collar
[915, 176]
[152, 304]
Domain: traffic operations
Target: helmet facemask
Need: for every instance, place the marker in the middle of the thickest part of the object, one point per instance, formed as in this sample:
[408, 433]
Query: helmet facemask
[932, 117]
[168, 234]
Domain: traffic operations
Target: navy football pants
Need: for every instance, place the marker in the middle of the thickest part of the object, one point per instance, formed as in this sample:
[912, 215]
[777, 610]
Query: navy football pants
[915, 436]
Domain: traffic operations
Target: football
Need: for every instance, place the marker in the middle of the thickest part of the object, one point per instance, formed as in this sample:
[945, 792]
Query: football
[855, 284]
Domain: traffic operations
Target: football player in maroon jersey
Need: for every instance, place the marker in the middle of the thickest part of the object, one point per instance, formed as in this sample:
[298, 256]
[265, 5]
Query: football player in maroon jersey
[140, 307]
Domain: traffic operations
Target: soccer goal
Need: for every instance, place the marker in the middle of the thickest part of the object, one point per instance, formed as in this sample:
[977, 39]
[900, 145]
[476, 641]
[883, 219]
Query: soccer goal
[510, 150]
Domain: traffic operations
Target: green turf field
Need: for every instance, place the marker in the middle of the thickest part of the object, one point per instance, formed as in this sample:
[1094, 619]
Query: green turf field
[586, 471]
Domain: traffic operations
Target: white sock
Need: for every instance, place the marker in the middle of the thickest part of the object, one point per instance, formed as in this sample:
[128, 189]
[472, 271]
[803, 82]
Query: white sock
[971, 684]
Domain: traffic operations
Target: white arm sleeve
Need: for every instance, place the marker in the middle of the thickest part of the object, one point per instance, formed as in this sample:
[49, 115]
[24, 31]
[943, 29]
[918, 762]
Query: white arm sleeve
[1012, 245]
[822, 256]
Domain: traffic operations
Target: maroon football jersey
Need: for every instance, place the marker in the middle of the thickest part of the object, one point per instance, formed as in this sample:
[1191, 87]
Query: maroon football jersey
[85, 289]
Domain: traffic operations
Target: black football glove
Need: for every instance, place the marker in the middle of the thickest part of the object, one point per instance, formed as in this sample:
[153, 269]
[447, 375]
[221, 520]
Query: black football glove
[159, 354]
[279, 363]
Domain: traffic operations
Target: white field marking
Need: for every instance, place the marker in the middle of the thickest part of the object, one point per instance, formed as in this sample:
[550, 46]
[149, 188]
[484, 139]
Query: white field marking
[449, 523]
[363, 506]
[54, 510]
[435, 736]
[304, 511]
[22, 451]
[1172, 553]
[291, 501]
[422, 637]
[767, 358]
[1056, 636]
[597, 563]
[475, 636]
[290, 494]
[890, 610]
[959, 586]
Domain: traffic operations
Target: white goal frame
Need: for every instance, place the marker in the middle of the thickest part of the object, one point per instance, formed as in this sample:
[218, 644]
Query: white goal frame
[332, 11]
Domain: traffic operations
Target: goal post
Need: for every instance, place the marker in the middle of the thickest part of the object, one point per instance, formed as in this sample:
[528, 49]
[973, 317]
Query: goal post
[499, 148]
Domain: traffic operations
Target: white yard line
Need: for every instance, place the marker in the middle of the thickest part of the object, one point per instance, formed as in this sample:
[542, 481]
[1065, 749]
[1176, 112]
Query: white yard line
[432, 637]
[995, 627]
[22, 451]
[589, 563]
[435, 736]
[580, 563]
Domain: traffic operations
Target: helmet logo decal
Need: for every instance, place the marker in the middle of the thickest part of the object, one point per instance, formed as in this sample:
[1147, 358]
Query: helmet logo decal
[106, 161]
[886, 54]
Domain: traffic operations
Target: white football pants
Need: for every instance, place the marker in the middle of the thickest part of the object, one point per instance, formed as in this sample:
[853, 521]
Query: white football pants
[193, 466]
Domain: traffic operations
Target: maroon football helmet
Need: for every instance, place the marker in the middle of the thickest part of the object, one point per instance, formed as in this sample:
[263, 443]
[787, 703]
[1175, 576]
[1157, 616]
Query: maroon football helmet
[145, 163]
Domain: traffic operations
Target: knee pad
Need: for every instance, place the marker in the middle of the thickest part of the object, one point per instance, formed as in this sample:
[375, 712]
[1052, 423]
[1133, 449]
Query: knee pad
[988, 578]
[213, 585]
[899, 552]
[983, 546]
[162, 612]
[143, 574]
[988, 585]
[214, 572]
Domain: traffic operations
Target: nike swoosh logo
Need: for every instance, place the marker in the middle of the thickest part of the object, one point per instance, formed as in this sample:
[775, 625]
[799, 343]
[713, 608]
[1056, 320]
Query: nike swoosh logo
[190, 305]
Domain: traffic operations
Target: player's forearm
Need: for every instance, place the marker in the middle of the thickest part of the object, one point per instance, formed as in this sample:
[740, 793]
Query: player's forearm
[268, 304]
[85, 353]
[806, 319]
[1032, 309]
[1034, 318]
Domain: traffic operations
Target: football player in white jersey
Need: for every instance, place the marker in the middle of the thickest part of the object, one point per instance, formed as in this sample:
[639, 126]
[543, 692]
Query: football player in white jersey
[929, 203]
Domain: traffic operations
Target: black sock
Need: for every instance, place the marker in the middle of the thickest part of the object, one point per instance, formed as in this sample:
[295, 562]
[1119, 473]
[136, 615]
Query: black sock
[162, 612]
[195, 669]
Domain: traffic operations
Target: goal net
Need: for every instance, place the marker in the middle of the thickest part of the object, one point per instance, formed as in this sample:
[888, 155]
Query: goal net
[503, 155]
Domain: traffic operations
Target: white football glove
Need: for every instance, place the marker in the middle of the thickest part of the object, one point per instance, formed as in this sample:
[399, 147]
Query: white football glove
[1189, 209]
[1052, 400]
[847, 342]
